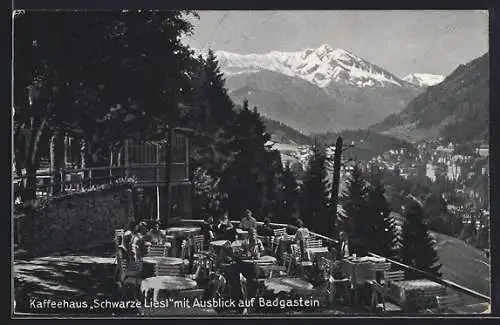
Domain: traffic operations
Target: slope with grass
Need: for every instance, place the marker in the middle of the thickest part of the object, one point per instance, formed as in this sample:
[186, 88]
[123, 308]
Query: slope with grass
[463, 264]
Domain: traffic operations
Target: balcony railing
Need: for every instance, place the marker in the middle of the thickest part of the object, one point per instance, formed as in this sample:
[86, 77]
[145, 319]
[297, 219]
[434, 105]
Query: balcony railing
[74, 180]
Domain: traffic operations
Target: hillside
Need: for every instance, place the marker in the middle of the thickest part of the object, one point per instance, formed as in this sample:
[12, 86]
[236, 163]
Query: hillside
[456, 109]
[292, 101]
[368, 144]
[282, 133]
[463, 264]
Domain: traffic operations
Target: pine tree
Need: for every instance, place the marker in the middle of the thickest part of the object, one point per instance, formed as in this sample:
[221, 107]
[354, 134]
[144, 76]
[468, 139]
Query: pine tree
[314, 191]
[212, 108]
[289, 196]
[354, 204]
[210, 113]
[417, 244]
[382, 238]
[244, 177]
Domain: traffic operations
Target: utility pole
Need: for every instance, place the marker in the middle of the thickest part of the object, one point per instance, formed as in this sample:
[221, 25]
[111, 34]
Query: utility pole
[337, 163]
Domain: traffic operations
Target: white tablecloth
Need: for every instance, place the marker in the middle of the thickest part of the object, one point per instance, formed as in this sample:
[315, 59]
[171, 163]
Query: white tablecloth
[166, 282]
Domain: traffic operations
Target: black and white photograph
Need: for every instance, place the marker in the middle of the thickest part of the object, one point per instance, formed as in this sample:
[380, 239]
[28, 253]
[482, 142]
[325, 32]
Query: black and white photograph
[250, 163]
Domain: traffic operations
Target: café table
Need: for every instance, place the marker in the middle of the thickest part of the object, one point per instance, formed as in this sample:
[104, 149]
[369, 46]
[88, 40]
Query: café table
[216, 245]
[266, 259]
[316, 252]
[150, 262]
[166, 283]
[180, 233]
[242, 234]
[288, 285]
[359, 271]
[415, 295]
[236, 245]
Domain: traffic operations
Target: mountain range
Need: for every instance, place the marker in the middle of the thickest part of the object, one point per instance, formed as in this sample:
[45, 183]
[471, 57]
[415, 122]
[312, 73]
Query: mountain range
[317, 90]
[457, 109]
[329, 91]
[424, 79]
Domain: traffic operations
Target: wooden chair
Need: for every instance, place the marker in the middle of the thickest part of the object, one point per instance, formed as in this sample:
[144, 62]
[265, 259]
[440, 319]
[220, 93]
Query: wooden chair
[335, 288]
[119, 236]
[295, 258]
[157, 250]
[162, 269]
[119, 232]
[278, 234]
[131, 277]
[450, 303]
[314, 243]
[185, 253]
[268, 242]
[198, 245]
[380, 267]
[383, 289]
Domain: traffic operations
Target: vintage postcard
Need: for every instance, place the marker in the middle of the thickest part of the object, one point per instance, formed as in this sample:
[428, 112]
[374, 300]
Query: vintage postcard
[250, 163]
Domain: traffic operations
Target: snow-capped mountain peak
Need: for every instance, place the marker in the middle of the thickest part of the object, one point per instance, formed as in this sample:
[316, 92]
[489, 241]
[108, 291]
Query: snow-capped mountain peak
[321, 66]
[424, 79]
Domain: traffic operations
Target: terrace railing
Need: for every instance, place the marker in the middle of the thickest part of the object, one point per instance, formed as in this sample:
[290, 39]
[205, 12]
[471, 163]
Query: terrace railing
[472, 296]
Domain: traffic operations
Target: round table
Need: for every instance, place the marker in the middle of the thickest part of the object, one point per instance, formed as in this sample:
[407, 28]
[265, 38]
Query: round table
[165, 282]
[150, 262]
[242, 234]
[287, 285]
[179, 231]
[216, 245]
[266, 259]
[236, 244]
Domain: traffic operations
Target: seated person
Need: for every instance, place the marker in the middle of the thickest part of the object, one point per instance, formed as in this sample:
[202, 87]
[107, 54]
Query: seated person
[155, 236]
[301, 236]
[133, 229]
[138, 243]
[267, 230]
[225, 229]
[121, 256]
[208, 231]
[268, 234]
[253, 246]
[248, 222]
[226, 255]
[332, 252]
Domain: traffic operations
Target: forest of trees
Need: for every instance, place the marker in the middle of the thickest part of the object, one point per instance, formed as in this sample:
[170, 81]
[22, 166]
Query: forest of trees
[97, 75]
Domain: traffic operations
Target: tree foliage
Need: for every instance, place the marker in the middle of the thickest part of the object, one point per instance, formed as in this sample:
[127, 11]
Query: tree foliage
[314, 191]
[355, 204]
[382, 237]
[417, 244]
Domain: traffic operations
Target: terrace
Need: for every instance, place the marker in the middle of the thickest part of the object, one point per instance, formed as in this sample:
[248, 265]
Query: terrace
[187, 274]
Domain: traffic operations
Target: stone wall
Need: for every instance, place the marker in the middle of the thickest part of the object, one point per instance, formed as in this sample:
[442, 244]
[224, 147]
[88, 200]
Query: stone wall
[76, 221]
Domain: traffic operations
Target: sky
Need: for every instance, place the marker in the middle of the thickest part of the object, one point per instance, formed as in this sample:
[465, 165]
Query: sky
[402, 42]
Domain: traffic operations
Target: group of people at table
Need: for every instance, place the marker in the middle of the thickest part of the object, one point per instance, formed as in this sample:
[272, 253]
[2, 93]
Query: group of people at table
[235, 247]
